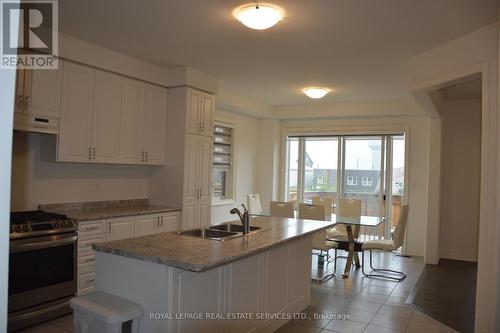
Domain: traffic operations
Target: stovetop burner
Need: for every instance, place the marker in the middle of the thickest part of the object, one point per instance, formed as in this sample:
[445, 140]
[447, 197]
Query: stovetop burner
[37, 223]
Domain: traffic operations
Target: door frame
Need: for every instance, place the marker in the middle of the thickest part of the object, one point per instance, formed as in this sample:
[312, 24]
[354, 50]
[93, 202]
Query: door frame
[342, 131]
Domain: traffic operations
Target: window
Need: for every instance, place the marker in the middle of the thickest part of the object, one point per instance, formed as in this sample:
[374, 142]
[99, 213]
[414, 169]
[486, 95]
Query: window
[222, 164]
[320, 180]
[351, 180]
[366, 181]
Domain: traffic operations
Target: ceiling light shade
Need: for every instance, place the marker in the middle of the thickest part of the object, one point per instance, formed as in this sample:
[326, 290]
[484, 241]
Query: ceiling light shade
[258, 16]
[315, 92]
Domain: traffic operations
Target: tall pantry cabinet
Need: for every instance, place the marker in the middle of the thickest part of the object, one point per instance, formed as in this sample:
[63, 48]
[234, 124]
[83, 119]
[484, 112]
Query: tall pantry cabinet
[188, 166]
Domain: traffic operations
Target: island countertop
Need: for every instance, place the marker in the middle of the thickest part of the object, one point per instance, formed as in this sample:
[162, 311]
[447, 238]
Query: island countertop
[198, 254]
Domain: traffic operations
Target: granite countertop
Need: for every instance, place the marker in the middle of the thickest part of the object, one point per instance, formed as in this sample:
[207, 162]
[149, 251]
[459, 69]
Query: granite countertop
[86, 211]
[198, 255]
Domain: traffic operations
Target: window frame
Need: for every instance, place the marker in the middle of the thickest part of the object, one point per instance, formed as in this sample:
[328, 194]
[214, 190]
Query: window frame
[230, 177]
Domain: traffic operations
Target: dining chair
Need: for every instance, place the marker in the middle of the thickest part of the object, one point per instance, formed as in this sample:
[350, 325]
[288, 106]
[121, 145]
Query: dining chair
[347, 208]
[326, 202]
[281, 209]
[253, 200]
[320, 242]
[387, 245]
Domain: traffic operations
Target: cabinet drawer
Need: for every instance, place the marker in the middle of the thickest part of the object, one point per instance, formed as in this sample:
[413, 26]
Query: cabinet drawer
[86, 280]
[90, 228]
[85, 242]
[85, 260]
[84, 291]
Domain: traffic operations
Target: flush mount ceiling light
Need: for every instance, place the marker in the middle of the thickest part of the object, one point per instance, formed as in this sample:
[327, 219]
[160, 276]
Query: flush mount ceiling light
[316, 92]
[258, 16]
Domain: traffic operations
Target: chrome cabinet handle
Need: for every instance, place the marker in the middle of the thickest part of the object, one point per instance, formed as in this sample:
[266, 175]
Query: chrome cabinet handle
[142, 156]
[146, 156]
[91, 228]
[26, 103]
[109, 228]
[90, 260]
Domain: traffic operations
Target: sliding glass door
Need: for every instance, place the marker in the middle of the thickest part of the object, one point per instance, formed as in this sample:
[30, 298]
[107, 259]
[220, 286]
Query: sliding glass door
[369, 168]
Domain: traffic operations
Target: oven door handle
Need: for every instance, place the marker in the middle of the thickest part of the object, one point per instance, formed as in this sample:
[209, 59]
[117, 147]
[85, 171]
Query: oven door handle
[40, 245]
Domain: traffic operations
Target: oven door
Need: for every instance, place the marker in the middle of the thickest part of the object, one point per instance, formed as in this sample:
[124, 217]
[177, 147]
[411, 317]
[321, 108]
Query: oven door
[41, 269]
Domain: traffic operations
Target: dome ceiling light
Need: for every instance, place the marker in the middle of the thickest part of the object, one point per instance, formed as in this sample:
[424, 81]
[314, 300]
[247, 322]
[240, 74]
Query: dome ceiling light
[316, 92]
[258, 16]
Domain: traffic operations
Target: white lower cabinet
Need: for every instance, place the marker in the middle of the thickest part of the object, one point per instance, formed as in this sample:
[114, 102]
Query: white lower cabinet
[92, 232]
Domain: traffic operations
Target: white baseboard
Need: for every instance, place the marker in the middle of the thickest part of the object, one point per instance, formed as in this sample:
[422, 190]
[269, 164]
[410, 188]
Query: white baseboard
[458, 255]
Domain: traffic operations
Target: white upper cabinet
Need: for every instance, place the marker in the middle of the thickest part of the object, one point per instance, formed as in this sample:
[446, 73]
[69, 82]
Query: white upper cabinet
[193, 124]
[106, 112]
[207, 114]
[44, 91]
[132, 123]
[155, 123]
[38, 91]
[74, 140]
[200, 113]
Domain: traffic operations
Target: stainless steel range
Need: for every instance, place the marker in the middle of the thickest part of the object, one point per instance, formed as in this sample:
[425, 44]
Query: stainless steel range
[42, 267]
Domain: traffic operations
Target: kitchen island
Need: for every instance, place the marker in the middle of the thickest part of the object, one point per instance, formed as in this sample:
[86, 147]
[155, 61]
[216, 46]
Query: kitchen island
[251, 283]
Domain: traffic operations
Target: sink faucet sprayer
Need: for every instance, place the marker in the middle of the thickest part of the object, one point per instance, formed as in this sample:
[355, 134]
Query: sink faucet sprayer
[244, 218]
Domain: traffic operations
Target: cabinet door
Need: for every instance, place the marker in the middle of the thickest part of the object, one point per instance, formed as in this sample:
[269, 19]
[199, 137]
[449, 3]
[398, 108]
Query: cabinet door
[131, 134]
[207, 114]
[43, 87]
[146, 225]
[189, 214]
[19, 90]
[75, 127]
[193, 123]
[155, 125]
[191, 169]
[204, 167]
[203, 212]
[169, 222]
[120, 228]
[106, 117]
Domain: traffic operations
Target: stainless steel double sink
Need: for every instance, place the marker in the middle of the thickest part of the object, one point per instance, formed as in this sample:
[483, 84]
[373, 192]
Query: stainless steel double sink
[219, 232]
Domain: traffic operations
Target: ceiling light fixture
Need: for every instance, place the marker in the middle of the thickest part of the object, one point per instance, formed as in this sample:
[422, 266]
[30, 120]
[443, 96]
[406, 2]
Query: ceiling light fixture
[258, 16]
[316, 92]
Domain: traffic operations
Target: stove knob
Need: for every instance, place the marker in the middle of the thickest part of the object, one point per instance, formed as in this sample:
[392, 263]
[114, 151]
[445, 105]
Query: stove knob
[17, 228]
[64, 224]
[25, 228]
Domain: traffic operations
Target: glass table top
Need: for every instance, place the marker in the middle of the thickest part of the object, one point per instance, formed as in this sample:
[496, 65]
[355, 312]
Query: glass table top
[365, 221]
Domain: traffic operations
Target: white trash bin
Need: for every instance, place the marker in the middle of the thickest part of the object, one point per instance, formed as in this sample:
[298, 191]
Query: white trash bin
[100, 312]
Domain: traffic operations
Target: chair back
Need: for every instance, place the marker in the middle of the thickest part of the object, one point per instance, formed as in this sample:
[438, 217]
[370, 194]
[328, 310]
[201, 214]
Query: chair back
[326, 202]
[311, 212]
[399, 232]
[349, 208]
[281, 209]
[253, 200]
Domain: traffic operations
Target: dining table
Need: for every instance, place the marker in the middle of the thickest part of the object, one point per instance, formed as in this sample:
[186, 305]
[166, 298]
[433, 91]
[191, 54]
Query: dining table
[353, 226]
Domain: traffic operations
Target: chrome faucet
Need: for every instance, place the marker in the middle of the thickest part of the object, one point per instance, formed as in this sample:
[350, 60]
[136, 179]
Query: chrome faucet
[244, 218]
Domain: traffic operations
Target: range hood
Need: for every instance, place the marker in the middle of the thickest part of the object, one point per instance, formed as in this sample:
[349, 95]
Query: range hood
[38, 124]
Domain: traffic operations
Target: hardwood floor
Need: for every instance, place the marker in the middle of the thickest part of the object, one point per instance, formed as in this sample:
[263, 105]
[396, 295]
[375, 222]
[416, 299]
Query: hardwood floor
[447, 292]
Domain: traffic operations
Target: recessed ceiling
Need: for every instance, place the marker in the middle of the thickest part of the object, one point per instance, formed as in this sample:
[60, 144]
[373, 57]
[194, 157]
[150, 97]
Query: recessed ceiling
[359, 48]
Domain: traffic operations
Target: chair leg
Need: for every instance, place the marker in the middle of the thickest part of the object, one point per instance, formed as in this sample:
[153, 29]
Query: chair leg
[390, 271]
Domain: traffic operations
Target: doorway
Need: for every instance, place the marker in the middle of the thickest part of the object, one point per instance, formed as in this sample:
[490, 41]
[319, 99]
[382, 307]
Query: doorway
[366, 167]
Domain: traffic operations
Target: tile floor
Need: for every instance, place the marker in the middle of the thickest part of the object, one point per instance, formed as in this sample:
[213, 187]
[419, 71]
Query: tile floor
[371, 305]
[374, 306]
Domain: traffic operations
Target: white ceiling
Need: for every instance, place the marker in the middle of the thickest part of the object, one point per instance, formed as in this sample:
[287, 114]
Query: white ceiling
[360, 48]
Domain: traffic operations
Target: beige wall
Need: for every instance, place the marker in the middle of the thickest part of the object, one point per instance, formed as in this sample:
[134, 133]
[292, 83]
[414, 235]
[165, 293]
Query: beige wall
[418, 167]
[460, 179]
[37, 182]
[246, 162]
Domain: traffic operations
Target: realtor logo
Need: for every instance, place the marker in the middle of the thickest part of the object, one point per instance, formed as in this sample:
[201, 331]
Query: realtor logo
[29, 37]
